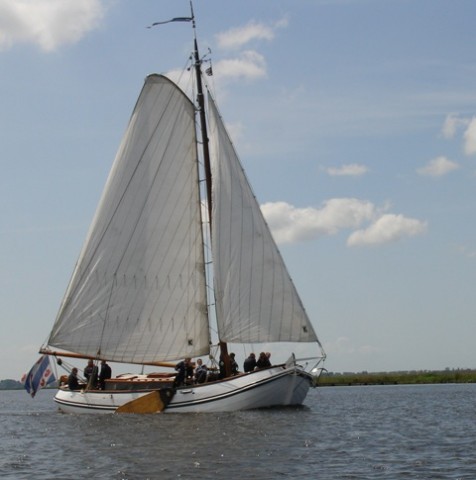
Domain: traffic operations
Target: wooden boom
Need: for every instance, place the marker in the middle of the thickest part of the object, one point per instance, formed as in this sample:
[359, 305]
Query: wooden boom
[78, 355]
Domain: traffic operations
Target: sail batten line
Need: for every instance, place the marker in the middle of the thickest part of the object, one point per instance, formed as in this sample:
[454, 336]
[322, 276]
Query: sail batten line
[198, 232]
[166, 226]
[110, 180]
[257, 305]
[159, 298]
[141, 228]
[169, 297]
[141, 208]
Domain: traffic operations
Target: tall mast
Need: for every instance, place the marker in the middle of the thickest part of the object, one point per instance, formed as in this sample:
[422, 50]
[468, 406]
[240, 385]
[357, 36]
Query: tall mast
[197, 63]
[203, 121]
[224, 357]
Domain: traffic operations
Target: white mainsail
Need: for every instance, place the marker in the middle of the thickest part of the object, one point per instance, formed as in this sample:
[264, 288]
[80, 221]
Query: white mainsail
[138, 293]
[255, 297]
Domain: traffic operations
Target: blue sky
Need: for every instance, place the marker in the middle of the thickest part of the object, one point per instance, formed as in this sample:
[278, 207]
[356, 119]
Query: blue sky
[355, 121]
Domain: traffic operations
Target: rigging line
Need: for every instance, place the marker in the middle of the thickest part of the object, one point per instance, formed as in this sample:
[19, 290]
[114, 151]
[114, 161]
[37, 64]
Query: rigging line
[185, 68]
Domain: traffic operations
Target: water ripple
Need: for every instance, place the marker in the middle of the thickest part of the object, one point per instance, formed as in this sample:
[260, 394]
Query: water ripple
[354, 433]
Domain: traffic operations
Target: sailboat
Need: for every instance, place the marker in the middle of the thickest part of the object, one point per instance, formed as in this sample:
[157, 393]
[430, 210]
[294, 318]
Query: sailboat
[178, 249]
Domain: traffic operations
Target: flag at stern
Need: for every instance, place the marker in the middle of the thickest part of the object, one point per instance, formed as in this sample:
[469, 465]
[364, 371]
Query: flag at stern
[40, 375]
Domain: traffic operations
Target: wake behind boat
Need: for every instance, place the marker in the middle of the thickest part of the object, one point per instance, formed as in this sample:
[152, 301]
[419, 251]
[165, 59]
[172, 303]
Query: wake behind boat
[147, 289]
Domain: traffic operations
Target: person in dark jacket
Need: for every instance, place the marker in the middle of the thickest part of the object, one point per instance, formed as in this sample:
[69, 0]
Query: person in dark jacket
[222, 367]
[263, 361]
[234, 365]
[104, 374]
[184, 371]
[250, 363]
[73, 382]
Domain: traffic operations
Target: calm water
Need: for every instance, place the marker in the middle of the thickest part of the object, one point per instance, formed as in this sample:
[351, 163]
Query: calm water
[390, 432]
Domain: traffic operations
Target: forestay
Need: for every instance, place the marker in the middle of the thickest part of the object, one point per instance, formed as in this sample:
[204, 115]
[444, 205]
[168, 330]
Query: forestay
[138, 291]
[255, 297]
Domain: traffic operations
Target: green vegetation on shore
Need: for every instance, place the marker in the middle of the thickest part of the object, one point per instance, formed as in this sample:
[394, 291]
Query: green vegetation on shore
[10, 384]
[398, 378]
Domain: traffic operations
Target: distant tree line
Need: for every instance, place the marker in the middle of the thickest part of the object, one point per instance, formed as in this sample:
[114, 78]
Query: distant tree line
[10, 385]
[398, 378]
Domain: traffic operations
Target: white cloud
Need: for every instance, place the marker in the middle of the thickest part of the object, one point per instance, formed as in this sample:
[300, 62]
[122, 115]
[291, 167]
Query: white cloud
[249, 65]
[290, 224]
[352, 169]
[470, 138]
[240, 36]
[47, 23]
[438, 167]
[388, 228]
[451, 125]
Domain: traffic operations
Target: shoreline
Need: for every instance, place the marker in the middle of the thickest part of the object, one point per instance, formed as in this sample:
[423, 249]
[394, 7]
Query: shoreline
[330, 379]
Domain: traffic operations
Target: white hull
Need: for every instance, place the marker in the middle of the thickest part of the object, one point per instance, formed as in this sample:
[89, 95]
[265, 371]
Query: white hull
[276, 386]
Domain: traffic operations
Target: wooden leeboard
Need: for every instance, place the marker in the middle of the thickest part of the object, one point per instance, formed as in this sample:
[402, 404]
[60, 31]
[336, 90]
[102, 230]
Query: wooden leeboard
[150, 403]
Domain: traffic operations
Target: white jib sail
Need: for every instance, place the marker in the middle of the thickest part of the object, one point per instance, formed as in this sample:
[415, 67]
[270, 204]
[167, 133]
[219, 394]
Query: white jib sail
[138, 291]
[255, 297]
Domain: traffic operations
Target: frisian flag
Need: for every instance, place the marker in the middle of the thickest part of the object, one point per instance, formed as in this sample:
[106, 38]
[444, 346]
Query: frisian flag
[40, 375]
